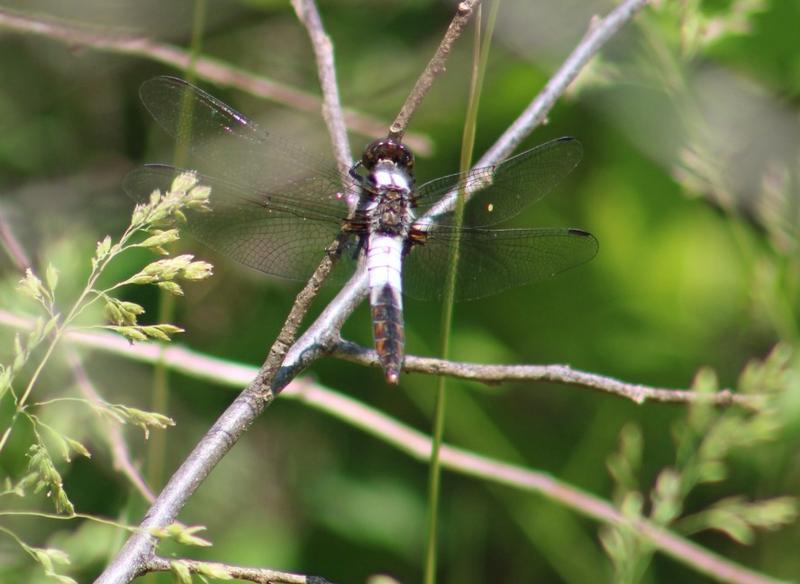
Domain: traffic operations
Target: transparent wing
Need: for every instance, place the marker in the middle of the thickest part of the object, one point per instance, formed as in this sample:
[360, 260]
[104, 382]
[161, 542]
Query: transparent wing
[219, 141]
[514, 184]
[493, 260]
[280, 235]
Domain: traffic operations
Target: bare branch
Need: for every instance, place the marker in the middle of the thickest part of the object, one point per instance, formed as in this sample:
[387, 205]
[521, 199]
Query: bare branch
[408, 440]
[206, 68]
[113, 434]
[413, 443]
[331, 105]
[261, 575]
[553, 373]
[285, 360]
[216, 443]
[600, 31]
[418, 446]
[436, 66]
[221, 371]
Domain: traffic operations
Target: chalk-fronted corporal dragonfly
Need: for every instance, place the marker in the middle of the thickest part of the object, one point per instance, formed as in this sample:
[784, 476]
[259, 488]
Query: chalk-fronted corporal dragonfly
[275, 208]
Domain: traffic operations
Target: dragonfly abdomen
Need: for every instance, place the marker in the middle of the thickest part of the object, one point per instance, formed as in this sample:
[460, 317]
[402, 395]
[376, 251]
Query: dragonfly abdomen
[384, 257]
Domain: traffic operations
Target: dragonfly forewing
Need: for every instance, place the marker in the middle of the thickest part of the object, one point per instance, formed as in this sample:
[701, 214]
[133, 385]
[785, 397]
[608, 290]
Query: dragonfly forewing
[498, 193]
[221, 142]
[281, 235]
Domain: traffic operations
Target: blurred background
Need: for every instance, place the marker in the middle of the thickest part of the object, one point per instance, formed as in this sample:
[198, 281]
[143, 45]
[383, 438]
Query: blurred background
[689, 122]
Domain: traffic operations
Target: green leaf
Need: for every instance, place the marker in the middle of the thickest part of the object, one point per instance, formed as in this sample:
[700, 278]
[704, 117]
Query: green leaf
[47, 477]
[212, 570]
[183, 182]
[103, 248]
[731, 524]
[51, 277]
[711, 471]
[169, 329]
[667, 497]
[20, 354]
[198, 270]
[132, 307]
[50, 326]
[113, 313]
[142, 419]
[42, 557]
[625, 464]
[181, 533]
[31, 286]
[5, 379]
[78, 447]
[632, 505]
[58, 556]
[154, 332]
[131, 333]
[62, 445]
[181, 572]
[171, 287]
[160, 238]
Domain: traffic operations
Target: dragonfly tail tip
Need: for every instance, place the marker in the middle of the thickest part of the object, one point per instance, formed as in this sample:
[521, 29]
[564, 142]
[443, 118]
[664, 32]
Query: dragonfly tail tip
[392, 376]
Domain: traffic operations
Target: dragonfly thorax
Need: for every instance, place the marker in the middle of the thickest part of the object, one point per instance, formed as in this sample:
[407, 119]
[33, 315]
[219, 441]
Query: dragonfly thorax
[388, 186]
[388, 201]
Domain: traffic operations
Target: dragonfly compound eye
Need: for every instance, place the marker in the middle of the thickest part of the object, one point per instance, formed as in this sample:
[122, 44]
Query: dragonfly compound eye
[388, 149]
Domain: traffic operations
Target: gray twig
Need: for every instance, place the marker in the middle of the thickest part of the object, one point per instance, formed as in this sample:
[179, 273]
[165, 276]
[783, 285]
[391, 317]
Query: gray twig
[565, 374]
[435, 67]
[226, 431]
[261, 575]
[228, 373]
[308, 14]
[274, 375]
[410, 441]
[600, 31]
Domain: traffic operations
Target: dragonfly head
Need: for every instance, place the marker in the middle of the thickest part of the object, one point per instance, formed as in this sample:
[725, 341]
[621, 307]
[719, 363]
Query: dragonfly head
[390, 150]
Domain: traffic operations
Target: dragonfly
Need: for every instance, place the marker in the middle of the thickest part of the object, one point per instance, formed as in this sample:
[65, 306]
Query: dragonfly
[277, 208]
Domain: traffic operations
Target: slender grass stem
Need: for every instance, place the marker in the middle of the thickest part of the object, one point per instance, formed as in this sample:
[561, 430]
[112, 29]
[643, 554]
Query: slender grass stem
[480, 58]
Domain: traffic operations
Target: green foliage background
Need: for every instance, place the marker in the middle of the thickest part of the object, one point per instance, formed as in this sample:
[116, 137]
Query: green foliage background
[697, 267]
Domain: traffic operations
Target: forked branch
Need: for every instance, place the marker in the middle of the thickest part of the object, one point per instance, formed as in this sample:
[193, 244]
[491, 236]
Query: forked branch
[435, 67]
[409, 441]
[308, 14]
[215, 370]
[551, 373]
[260, 575]
[288, 357]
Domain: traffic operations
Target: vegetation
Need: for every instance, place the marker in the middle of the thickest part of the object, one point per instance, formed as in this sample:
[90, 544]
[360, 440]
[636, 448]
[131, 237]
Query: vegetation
[689, 181]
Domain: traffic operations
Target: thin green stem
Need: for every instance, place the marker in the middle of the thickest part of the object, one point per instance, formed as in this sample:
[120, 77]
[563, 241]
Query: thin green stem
[56, 400]
[77, 308]
[19, 541]
[21, 402]
[36, 423]
[480, 58]
[60, 517]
